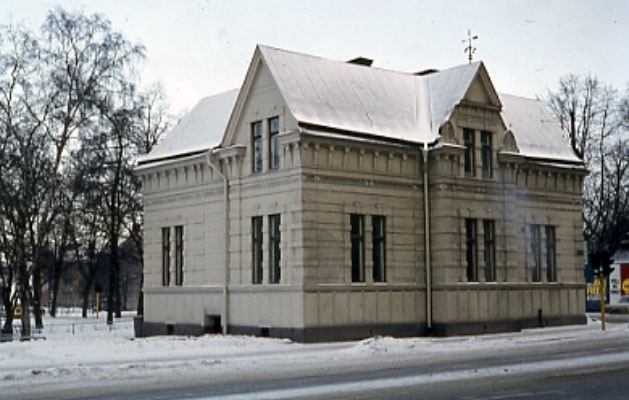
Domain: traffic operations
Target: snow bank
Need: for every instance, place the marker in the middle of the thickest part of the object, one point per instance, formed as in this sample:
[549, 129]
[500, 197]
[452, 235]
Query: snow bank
[77, 349]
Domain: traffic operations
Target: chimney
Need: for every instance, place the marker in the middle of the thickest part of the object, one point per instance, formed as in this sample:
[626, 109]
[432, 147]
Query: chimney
[361, 61]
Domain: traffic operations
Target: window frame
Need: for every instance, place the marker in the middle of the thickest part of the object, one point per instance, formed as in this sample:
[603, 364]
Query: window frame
[536, 252]
[274, 144]
[469, 142]
[257, 147]
[179, 255]
[489, 250]
[487, 154]
[166, 256]
[256, 250]
[471, 249]
[379, 271]
[551, 253]
[275, 255]
[357, 240]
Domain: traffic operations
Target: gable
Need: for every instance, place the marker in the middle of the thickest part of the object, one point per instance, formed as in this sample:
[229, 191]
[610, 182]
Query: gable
[481, 91]
[260, 98]
[478, 93]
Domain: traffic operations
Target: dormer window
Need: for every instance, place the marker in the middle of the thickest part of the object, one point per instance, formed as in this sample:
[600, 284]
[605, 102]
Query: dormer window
[274, 144]
[256, 140]
[486, 156]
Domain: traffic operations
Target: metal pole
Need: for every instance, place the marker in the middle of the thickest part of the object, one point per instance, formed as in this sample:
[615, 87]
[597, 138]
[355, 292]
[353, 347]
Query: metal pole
[601, 291]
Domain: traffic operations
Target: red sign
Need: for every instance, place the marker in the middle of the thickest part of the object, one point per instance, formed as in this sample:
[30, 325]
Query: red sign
[624, 276]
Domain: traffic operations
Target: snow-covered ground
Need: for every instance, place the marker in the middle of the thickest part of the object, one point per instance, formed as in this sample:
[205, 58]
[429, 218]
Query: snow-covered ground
[76, 350]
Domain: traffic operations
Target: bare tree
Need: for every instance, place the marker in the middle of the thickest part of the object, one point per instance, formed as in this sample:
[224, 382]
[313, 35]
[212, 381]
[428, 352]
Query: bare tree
[51, 89]
[594, 118]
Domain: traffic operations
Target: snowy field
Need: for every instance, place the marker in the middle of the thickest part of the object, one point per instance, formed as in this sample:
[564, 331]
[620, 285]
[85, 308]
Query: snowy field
[77, 350]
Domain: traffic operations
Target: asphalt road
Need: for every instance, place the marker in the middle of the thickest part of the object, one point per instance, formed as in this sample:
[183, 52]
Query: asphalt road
[578, 370]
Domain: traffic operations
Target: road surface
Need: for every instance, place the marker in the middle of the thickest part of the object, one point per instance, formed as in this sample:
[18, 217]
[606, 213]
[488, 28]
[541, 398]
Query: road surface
[576, 369]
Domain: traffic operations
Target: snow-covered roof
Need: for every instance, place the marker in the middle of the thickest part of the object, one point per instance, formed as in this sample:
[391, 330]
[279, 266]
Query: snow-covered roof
[199, 130]
[447, 89]
[368, 100]
[536, 132]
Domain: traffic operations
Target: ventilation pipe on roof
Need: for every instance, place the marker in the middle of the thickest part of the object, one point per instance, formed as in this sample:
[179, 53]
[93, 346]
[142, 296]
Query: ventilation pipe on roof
[427, 241]
[225, 316]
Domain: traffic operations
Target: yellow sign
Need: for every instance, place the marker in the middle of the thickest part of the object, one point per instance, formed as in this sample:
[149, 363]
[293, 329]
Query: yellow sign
[625, 286]
[593, 290]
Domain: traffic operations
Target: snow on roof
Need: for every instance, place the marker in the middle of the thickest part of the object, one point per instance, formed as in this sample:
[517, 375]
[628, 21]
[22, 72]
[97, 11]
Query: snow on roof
[346, 96]
[363, 99]
[536, 132]
[447, 89]
[352, 97]
[199, 130]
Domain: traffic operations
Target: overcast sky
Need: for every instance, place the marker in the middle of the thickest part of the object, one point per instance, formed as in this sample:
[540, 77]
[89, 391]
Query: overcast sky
[201, 47]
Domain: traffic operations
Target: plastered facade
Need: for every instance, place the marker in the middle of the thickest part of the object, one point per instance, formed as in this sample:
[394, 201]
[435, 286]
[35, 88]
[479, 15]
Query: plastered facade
[325, 177]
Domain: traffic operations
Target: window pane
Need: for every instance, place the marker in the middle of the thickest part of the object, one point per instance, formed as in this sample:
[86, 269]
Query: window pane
[379, 249]
[274, 125]
[178, 255]
[489, 252]
[357, 223]
[274, 143]
[468, 142]
[256, 138]
[256, 250]
[536, 253]
[471, 255]
[486, 155]
[274, 249]
[166, 256]
[551, 256]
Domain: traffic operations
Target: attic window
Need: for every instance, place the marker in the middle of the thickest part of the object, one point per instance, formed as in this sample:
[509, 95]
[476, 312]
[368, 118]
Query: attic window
[361, 61]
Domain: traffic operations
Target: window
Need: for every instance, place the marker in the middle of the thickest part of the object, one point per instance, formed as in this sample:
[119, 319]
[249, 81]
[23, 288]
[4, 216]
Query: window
[274, 248]
[166, 256]
[471, 252]
[489, 251]
[379, 249]
[274, 143]
[256, 140]
[357, 223]
[536, 253]
[468, 142]
[486, 155]
[256, 250]
[551, 256]
[179, 255]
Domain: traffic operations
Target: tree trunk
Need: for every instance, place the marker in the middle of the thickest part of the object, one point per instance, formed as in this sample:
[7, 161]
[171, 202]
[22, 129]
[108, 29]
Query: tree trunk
[7, 328]
[37, 296]
[140, 309]
[25, 302]
[87, 289]
[56, 278]
[113, 301]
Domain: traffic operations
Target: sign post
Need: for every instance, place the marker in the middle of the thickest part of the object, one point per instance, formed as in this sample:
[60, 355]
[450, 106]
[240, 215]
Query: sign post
[601, 284]
[98, 288]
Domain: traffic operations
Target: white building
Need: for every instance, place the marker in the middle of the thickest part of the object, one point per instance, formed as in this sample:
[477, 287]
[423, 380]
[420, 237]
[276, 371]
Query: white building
[331, 200]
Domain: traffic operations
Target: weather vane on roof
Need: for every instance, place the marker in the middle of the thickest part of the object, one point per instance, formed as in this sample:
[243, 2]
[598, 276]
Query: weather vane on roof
[470, 50]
